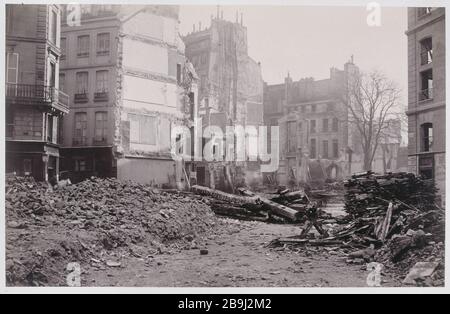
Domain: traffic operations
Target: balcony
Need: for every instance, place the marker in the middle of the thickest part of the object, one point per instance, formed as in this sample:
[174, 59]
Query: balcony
[79, 141]
[80, 98]
[37, 95]
[426, 94]
[102, 53]
[99, 140]
[101, 96]
[426, 57]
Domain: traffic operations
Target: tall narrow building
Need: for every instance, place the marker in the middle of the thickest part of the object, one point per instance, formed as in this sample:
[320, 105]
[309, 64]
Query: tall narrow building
[125, 71]
[426, 94]
[34, 103]
[230, 91]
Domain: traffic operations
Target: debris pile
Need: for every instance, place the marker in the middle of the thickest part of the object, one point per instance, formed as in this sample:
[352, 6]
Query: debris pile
[92, 221]
[283, 207]
[369, 192]
[392, 219]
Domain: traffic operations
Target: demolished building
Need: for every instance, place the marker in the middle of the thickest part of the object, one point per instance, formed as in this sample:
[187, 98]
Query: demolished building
[230, 94]
[125, 70]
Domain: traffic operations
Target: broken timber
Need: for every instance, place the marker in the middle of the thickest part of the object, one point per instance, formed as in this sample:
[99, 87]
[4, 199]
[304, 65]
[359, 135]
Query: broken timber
[276, 208]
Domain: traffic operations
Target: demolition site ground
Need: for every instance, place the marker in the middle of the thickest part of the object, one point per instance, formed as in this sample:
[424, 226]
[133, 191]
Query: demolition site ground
[103, 232]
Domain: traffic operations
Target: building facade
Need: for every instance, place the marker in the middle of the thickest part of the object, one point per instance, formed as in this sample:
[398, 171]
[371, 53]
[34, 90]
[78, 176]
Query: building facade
[124, 69]
[313, 120]
[318, 142]
[426, 94]
[34, 103]
[230, 92]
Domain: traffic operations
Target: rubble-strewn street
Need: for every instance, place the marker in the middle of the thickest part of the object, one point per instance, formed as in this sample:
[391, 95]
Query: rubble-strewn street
[46, 231]
[133, 235]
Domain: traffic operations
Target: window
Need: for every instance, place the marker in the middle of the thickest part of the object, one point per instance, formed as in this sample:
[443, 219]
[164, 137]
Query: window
[179, 73]
[313, 108]
[426, 167]
[80, 128]
[103, 44]
[292, 136]
[80, 165]
[27, 167]
[52, 78]
[427, 137]
[335, 149]
[325, 149]
[63, 48]
[192, 105]
[325, 125]
[426, 51]
[83, 46]
[335, 125]
[426, 85]
[82, 79]
[62, 82]
[312, 150]
[53, 26]
[101, 82]
[330, 107]
[142, 129]
[101, 126]
[313, 126]
[424, 11]
[12, 70]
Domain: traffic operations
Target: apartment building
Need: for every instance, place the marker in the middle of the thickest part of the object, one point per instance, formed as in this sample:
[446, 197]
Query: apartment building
[125, 71]
[34, 102]
[314, 126]
[426, 94]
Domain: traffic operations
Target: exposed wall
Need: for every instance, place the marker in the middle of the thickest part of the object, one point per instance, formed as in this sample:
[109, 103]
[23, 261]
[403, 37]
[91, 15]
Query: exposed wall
[148, 171]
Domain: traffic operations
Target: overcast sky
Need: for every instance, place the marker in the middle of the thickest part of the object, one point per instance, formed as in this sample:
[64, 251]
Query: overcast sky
[308, 41]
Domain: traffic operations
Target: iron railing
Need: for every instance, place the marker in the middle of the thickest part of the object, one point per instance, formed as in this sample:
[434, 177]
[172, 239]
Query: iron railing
[426, 57]
[426, 94]
[79, 141]
[37, 94]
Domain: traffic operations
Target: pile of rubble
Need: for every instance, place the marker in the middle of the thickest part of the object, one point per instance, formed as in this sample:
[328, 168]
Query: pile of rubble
[393, 220]
[285, 206]
[97, 221]
[368, 193]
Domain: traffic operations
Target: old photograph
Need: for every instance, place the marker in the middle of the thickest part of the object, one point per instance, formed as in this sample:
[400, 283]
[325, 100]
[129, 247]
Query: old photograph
[223, 145]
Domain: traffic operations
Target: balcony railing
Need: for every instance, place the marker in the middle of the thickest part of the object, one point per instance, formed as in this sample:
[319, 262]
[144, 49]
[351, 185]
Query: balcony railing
[81, 98]
[426, 94]
[426, 57]
[79, 141]
[27, 94]
[32, 92]
[101, 96]
[63, 99]
[99, 140]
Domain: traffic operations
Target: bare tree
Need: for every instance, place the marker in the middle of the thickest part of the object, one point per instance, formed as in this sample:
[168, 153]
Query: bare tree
[374, 104]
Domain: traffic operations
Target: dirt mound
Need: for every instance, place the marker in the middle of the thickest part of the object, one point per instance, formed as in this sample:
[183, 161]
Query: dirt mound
[98, 221]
